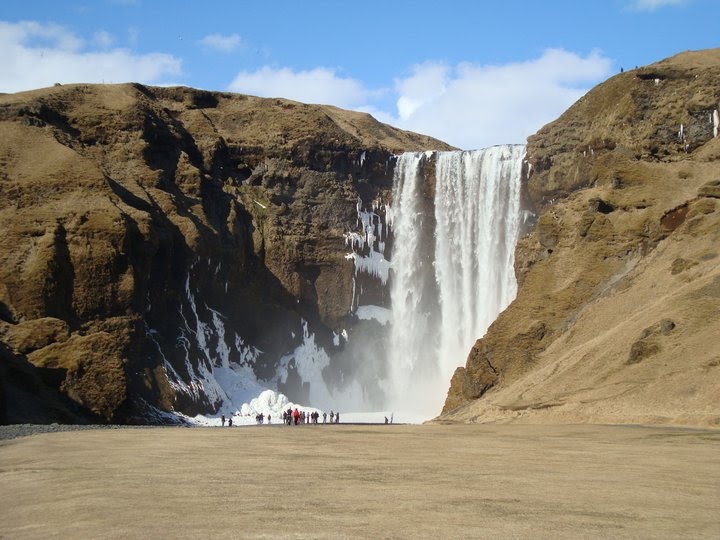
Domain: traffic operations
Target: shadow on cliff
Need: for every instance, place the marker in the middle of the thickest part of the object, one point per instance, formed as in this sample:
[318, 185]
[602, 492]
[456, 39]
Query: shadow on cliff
[222, 274]
[30, 395]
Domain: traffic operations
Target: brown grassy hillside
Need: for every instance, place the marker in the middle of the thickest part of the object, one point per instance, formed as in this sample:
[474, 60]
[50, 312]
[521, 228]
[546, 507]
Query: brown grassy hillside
[617, 317]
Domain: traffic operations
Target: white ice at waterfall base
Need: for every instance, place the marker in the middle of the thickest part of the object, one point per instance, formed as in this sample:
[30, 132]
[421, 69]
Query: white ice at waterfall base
[268, 402]
[243, 396]
[272, 404]
[241, 387]
[233, 385]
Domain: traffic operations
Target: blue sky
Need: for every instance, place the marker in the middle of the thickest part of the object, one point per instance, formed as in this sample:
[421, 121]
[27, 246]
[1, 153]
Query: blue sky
[472, 73]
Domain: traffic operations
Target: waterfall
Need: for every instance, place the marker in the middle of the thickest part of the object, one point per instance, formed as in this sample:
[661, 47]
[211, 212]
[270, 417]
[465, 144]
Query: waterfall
[452, 265]
[449, 272]
[442, 251]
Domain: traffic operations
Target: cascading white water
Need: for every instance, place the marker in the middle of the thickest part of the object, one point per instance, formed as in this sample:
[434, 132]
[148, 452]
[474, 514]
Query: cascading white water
[409, 307]
[452, 268]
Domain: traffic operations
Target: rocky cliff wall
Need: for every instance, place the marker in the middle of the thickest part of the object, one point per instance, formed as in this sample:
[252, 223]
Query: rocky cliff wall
[618, 309]
[148, 229]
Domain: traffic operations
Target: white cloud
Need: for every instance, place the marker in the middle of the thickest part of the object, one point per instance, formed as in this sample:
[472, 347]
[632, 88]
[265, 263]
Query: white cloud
[40, 35]
[652, 5]
[468, 105]
[472, 106]
[37, 55]
[103, 39]
[221, 43]
[319, 85]
[427, 84]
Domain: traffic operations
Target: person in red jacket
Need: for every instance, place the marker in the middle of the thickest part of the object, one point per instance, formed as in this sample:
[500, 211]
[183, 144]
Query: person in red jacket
[296, 416]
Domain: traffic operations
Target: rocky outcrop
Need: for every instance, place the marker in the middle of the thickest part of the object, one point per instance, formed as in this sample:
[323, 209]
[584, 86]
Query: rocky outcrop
[616, 315]
[143, 227]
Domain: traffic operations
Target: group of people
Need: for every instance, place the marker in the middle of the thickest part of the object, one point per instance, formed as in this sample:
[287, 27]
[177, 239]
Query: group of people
[296, 417]
[291, 417]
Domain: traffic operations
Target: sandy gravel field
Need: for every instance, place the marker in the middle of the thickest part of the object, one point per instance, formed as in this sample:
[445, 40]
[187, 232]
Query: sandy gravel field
[431, 481]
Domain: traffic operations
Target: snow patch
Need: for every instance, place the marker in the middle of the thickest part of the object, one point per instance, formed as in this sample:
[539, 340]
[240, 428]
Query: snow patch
[377, 313]
[373, 264]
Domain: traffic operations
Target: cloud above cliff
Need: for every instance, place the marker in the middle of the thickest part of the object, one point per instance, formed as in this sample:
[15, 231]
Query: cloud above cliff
[37, 55]
[472, 106]
[319, 85]
[437, 74]
[467, 105]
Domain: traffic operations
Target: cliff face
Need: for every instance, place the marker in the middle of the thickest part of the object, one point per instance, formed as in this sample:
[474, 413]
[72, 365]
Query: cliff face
[618, 309]
[151, 235]
[142, 226]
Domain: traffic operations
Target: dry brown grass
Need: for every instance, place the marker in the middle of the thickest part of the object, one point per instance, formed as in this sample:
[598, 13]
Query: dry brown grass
[363, 482]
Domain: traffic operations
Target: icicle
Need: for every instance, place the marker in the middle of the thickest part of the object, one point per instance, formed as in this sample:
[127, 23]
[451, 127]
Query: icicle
[370, 224]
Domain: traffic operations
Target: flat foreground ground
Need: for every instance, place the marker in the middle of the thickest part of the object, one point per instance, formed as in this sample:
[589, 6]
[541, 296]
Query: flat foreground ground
[429, 481]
